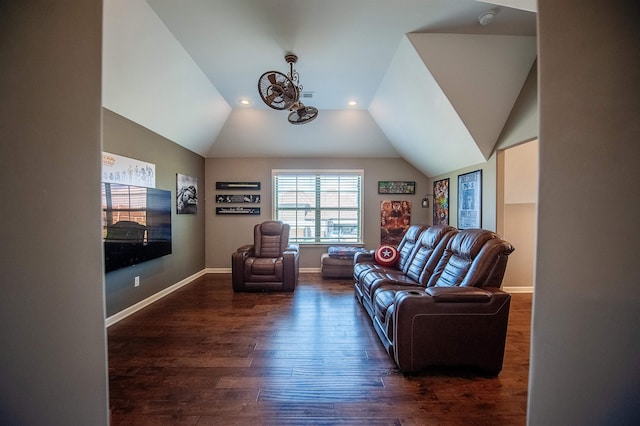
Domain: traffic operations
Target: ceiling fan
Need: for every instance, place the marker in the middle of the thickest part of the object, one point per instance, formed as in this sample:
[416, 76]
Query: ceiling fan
[280, 91]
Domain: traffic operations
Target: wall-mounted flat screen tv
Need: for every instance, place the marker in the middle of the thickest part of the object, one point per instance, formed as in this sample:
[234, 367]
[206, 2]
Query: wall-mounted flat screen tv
[136, 224]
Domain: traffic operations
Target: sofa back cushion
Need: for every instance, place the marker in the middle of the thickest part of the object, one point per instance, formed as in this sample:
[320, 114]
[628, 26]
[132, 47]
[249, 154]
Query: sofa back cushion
[270, 238]
[474, 258]
[408, 244]
[429, 249]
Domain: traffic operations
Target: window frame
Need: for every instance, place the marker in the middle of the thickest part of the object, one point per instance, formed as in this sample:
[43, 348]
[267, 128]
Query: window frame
[319, 222]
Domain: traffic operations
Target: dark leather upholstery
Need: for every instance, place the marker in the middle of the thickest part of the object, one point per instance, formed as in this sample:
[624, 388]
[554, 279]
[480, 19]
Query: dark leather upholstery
[447, 310]
[363, 263]
[427, 250]
[269, 264]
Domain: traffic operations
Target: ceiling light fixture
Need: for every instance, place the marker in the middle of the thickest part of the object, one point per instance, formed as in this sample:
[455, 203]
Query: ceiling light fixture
[487, 17]
[245, 102]
[352, 103]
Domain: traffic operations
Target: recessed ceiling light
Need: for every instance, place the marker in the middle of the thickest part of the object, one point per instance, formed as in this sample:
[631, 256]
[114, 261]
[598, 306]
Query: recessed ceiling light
[352, 103]
[245, 102]
[487, 17]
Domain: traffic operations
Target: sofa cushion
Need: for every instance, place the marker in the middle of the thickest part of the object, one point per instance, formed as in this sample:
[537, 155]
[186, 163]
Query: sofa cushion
[386, 255]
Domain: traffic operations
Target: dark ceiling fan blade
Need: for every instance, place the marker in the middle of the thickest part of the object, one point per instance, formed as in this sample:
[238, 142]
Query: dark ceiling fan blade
[273, 78]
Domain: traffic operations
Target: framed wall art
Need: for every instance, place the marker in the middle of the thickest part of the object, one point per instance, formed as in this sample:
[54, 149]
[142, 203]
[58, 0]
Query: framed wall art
[254, 211]
[186, 194]
[238, 185]
[395, 219]
[238, 198]
[127, 171]
[396, 187]
[470, 200]
[441, 202]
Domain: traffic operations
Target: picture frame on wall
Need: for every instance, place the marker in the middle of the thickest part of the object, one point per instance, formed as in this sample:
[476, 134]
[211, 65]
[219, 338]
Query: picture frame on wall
[470, 200]
[396, 187]
[441, 202]
[186, 194]
[238, 185]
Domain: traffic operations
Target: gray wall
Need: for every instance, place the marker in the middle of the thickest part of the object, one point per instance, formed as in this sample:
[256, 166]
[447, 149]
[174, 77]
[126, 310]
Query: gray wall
[225, 234]
[52, 335]
[124, 137]
[585, 348]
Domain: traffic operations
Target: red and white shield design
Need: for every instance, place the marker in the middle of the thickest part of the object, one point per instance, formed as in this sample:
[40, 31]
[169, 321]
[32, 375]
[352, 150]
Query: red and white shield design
[386, 255]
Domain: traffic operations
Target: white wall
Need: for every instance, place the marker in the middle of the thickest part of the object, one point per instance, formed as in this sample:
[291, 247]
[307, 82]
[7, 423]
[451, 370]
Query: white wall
[520, 207]
[585, 346]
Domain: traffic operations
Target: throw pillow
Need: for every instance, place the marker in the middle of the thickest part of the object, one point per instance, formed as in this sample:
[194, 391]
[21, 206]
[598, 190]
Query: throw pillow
[386, 255]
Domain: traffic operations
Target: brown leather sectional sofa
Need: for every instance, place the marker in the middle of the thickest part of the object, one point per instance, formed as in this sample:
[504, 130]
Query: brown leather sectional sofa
[441, 305]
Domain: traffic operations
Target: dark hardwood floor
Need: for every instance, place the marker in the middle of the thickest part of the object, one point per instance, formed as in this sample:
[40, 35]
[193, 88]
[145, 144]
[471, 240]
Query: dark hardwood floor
[206, 356]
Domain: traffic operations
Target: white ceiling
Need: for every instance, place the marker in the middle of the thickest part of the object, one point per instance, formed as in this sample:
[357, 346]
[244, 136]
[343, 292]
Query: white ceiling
[432, 85]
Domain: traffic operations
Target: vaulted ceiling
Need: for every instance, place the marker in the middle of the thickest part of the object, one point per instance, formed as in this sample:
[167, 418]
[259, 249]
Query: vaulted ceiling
[431, 84]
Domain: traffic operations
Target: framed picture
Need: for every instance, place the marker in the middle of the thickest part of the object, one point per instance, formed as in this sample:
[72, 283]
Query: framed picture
[441, 202]
[254, 211]
[238, 185]
[237, 198]
[395, 219]
[396, 187]
[470, 200]
[186, 194]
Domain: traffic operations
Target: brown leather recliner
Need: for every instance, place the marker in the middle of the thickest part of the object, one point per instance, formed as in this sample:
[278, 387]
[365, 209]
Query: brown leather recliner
[460, 318]
[269, 264]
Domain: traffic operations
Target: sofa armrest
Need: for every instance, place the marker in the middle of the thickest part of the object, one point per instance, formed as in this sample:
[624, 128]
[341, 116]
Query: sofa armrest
[459, 294]
[465, 332]
[245, 250]
[364, 256]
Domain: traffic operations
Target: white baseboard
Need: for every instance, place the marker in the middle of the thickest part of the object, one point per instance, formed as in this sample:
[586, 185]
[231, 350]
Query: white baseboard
[518, 289]
[149, 300]
[217, 270]
[228, 270]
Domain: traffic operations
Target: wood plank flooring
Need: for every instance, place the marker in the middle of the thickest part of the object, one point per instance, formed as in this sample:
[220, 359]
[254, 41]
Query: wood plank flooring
[206, 356]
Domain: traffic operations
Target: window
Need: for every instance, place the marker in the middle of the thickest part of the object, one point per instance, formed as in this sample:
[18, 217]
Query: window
[321, 206]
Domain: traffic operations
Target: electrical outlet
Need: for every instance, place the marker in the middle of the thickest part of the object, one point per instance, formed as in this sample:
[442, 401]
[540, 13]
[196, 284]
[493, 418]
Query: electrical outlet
[136, 281]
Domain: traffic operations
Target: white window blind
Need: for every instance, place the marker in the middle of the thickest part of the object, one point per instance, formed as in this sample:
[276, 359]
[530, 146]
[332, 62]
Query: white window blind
[322, 207]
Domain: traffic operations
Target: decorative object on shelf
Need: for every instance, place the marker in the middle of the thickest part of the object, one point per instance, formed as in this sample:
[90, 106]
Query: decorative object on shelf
[186, 194]
[254, 211]
[238, 185]
[237, 198]
[441, 202]
[470, 200]
[395, 219]
[396, 187]
[280, 91]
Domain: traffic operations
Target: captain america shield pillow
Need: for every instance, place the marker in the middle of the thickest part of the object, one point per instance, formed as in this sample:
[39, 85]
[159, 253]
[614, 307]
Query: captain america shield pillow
[386, 255]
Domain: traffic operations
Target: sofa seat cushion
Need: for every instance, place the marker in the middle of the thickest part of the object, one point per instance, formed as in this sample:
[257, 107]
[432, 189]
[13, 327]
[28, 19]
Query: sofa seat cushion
[383, 298]
[374, 279]
[263, 269]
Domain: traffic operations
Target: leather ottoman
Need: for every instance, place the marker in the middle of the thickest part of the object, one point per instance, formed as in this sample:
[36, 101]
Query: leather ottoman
[334, 267]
